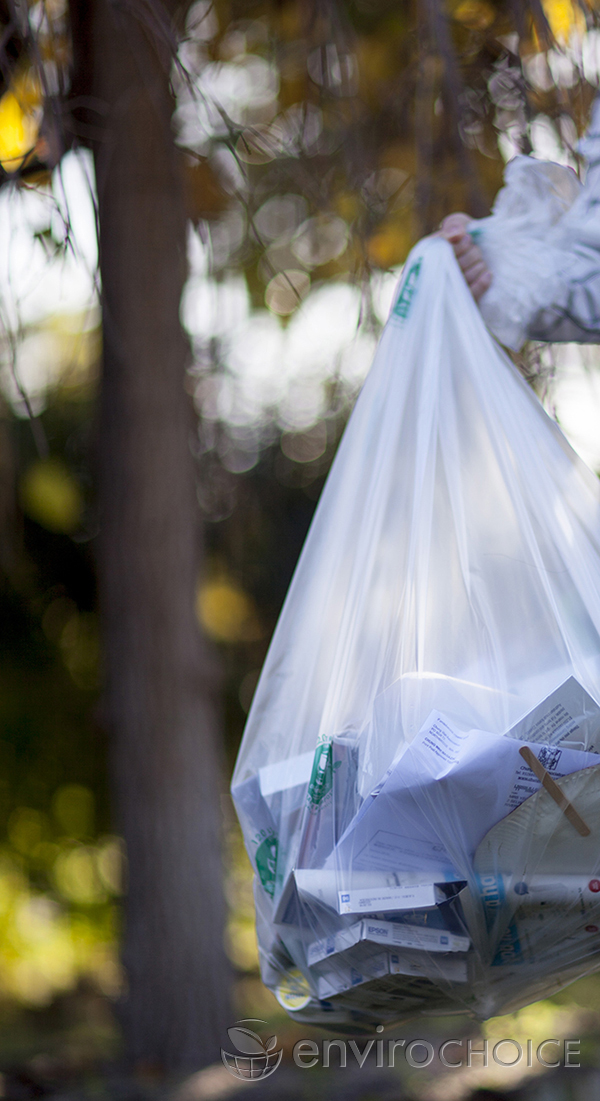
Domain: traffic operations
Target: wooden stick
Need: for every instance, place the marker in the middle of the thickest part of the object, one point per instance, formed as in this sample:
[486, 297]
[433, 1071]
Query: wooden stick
[554, 791]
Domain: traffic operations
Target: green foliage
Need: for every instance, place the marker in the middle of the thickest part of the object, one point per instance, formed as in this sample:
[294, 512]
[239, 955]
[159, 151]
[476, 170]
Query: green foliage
[60, 865]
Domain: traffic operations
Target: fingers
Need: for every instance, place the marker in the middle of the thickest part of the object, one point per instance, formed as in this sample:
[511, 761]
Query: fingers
[454, 227]
[476, 272]
[480, 286]
[468, 254]
[466, 251]
[473, 271]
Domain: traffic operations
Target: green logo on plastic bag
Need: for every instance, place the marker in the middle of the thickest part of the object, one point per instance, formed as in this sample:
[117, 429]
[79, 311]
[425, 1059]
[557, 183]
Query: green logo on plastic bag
[321, 778]
[266, 863]
[407, 291]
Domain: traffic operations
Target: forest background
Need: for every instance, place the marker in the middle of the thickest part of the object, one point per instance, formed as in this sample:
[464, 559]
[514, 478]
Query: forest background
[258, 171]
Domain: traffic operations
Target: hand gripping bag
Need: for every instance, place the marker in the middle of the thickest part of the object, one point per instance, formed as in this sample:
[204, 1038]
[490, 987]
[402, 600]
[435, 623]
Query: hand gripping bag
[418, 784]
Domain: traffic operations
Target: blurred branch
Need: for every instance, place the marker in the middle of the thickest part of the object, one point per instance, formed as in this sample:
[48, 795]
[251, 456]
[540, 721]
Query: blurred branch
[452, 90]
[424, 100]
[11, 341]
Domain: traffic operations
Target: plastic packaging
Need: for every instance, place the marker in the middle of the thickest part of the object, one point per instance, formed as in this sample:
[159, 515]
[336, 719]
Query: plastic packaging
[441, 631]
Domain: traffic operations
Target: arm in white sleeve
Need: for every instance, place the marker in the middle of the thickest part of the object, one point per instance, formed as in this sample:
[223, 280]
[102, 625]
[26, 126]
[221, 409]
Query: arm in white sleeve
[542, 245]
[578, 318]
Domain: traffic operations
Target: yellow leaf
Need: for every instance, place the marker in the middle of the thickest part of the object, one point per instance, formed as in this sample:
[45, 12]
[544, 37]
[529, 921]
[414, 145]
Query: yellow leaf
[475, 14]
[26, 828]
[51, 496]
[390, 244]
[76, 876]
[347, 205]
[227, 613]
[19, 121]
[564, 17]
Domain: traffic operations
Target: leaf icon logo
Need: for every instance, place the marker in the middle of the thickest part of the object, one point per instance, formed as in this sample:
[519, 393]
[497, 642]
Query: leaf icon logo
[247, 1041]
[257, 1058]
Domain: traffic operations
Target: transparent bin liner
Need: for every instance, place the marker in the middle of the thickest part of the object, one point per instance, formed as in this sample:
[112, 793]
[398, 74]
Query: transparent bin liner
[444, 619]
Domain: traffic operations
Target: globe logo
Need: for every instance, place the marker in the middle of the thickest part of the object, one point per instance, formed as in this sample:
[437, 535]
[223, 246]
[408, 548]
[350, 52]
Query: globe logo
[257, 1059]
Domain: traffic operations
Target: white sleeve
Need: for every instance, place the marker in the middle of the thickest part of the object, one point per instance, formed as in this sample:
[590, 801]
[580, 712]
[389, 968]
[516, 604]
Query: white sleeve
[542, 245]
[575, 319]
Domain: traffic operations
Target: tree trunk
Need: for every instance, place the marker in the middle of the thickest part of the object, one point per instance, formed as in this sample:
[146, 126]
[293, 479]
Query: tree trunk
[160, 682]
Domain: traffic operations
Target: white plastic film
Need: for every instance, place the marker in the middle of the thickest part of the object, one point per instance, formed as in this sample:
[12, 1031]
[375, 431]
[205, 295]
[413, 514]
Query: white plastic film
[443, 620]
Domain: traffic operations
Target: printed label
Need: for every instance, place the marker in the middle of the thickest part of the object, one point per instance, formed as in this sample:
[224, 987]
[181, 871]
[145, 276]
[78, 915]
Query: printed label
[492, 895]
[293, 992]
[567, 713]
[266, 863]
[407, 291]
[321, 778]
[388, 898]
[509, 948]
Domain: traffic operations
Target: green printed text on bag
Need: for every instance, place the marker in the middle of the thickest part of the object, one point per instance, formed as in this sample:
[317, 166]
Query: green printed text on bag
[403, 304]
[321, 778]
[266, 863]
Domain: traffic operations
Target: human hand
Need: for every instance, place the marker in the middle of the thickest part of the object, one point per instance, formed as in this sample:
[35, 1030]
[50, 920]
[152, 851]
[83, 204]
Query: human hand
[469, 256]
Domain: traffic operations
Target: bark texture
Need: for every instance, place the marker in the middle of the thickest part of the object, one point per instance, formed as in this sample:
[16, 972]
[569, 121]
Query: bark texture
[159, 705]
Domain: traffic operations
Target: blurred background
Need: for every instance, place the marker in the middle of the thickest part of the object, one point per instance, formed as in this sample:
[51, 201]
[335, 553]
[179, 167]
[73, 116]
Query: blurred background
[309, 145]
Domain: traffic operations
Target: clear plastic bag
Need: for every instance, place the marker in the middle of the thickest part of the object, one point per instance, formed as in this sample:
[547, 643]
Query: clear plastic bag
[420, 762]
